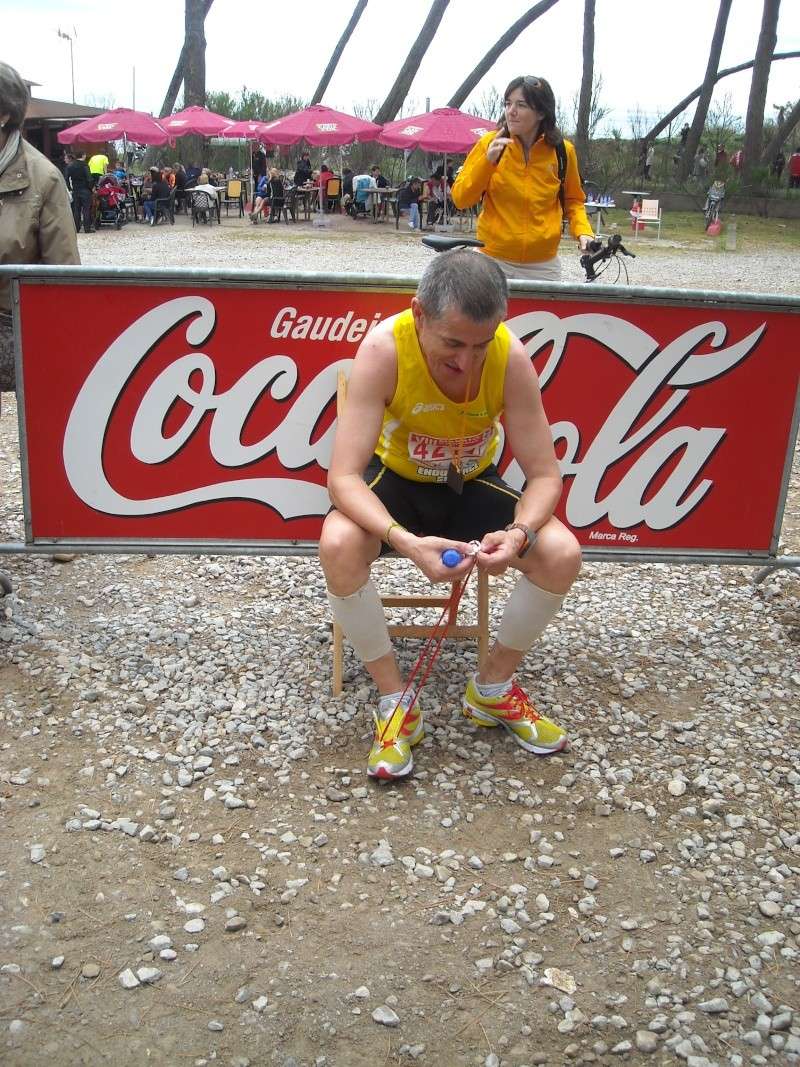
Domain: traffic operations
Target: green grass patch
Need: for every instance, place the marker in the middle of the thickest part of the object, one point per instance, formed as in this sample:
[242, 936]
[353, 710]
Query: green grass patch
[686, 230]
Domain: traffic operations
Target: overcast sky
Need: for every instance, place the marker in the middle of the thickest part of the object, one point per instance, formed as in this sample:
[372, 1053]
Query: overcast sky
[650, 53]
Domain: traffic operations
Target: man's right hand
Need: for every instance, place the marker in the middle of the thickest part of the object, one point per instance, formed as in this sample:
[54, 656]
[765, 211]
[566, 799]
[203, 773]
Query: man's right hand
[426, 553]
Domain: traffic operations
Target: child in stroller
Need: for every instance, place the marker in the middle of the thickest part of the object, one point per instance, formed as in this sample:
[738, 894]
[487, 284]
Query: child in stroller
[111, 196]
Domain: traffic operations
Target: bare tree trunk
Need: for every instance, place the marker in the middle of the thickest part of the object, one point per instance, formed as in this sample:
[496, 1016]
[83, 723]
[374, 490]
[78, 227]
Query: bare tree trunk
[662, 123]
[194, 71]
[177, 77]
[706, 92]
[399, 91]
[754, 123]
[497, 49]
[781, 133]
[324, 81]
[587, 80]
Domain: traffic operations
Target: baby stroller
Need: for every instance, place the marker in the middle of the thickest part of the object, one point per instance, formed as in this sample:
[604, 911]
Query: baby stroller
[110, 203]
[361, 201]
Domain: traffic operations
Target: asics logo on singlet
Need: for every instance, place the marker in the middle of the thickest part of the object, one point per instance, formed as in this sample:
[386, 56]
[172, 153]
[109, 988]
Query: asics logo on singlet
[420, 409]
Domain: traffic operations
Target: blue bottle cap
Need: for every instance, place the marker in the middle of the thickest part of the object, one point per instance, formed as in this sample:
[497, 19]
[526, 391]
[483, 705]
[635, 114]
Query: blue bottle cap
[451, 557]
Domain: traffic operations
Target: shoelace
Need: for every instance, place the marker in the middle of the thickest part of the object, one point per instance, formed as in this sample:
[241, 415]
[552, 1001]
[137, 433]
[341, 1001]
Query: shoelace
[520, 700]
[388, 736]
[431, 647]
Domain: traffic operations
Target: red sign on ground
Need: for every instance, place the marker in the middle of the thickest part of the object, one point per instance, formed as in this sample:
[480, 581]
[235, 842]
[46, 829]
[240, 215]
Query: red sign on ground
[173, 412]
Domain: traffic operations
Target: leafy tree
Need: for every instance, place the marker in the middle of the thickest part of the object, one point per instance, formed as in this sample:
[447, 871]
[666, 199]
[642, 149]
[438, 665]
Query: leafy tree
[252, 105]
[681, 106]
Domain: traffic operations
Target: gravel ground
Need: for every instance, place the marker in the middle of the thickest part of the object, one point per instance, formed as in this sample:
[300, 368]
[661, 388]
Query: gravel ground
[194, 868]
[346, 245]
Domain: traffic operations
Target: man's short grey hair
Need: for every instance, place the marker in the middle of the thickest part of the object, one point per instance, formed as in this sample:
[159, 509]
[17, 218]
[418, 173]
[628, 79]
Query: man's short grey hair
[466, 280]
[14, 97]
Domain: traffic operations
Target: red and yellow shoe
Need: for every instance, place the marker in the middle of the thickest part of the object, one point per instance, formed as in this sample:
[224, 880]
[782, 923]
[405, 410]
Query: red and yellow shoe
[515, 712]
[395, 735]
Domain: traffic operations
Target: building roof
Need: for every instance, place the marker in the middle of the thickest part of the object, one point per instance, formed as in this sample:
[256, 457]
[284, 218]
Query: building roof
[59, 110]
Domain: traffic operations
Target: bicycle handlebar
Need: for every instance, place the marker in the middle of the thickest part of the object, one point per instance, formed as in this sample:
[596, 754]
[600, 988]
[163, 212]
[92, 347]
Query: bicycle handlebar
[599, 253]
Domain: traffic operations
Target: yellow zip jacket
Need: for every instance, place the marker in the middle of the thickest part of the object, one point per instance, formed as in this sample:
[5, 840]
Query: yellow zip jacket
[521, 216]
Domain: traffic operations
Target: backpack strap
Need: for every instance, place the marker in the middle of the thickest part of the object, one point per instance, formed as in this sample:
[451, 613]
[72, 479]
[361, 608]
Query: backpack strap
[561, 155]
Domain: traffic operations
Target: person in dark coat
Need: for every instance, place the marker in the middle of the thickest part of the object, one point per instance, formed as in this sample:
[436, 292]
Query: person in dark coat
[302, 176]
[79, 182]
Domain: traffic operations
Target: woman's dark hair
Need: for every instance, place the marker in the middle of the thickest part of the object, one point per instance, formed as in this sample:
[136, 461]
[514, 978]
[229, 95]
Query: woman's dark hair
[14, 97]
[538, 94]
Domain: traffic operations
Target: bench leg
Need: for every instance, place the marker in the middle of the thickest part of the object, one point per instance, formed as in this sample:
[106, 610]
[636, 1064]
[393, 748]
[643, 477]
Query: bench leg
[338, 660]
[483, 617]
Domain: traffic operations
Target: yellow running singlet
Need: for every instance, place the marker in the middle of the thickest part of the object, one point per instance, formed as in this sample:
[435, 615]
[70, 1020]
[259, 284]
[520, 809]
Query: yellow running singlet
[421, 425]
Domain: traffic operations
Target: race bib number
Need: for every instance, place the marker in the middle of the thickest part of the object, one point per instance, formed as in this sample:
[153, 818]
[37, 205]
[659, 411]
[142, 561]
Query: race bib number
[433, 455]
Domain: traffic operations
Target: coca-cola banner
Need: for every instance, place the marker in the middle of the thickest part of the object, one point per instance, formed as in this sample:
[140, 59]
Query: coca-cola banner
[206, 413]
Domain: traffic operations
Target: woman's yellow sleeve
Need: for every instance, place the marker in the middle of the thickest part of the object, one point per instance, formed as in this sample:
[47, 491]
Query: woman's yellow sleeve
[472, 182]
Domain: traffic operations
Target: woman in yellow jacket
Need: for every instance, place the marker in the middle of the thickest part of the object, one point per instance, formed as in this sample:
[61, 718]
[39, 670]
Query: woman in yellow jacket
[516, 171]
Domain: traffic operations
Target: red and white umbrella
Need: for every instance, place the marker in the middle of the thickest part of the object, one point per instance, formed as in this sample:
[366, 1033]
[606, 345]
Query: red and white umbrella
[320, 127]
[249, 129]
[119, 124]
[195, 120]
[446, 129]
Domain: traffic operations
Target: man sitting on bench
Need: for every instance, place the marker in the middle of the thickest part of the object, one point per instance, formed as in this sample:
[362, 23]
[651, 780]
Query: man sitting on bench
[412, 472]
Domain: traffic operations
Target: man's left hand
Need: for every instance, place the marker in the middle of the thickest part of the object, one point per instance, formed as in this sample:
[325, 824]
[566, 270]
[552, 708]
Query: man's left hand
[583, 243]
[499, 550]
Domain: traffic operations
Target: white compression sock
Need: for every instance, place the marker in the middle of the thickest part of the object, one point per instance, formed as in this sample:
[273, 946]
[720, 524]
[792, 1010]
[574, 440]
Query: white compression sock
[528, 611]
[363, 622]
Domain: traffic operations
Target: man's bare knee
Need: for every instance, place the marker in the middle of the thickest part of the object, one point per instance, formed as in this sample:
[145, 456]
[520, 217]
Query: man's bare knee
[556, 561]
[346, 553]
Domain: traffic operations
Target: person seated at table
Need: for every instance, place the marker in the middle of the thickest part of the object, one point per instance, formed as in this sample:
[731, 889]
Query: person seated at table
[434, 194]
[380, 183]
[261, 198]
[193, 173]
[302, 176]
[168, 174]
[180, 185]
[408, 201]
[380, 180]
[204, 184]
[277, 194]
[159, 190]
[119, 171]
[325, 175]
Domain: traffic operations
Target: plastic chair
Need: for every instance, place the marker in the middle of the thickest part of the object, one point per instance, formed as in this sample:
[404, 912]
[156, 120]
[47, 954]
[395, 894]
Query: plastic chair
[202, 205]
[649, 215]
[164, 208]
[233, 195]
[333, 194]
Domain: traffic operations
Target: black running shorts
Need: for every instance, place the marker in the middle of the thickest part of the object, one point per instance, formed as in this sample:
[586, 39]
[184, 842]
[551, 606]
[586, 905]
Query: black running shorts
[433, 509]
